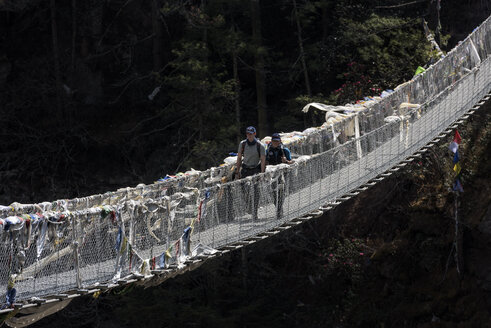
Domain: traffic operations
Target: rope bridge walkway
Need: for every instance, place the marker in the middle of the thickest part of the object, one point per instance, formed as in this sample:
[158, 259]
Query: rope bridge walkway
[54, 251]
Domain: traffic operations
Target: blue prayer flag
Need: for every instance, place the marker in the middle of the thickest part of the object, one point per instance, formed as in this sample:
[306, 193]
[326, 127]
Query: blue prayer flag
[162, 260]
[456, 157]
[457, 186]
[119, 239]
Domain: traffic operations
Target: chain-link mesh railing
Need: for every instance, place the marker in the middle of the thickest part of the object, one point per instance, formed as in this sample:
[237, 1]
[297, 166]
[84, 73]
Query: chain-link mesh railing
[53, 247]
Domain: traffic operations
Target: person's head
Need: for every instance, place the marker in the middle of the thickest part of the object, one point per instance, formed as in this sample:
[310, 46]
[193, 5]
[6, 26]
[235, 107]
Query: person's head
[251, 133]
[275, 140]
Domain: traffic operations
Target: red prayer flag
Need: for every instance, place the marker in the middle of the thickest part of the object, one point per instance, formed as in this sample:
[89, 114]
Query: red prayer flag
[457, 137]
[199, 210]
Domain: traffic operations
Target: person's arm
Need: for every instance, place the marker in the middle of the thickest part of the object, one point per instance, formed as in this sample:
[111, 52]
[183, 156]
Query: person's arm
[239, 162]
[287, 157]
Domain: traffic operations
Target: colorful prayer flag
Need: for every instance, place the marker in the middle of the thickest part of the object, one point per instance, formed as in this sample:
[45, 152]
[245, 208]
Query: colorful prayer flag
[185, 235]
[163, 258]
[186, 240]
[453, 147]
[457, 168]
[199, 210]
[123, 245]
[456, 157]
[457, 137]
[457, 186]
[119, 239]
[152, 263]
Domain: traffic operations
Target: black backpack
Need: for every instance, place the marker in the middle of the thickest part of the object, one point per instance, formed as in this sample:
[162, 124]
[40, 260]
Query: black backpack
[273, 159]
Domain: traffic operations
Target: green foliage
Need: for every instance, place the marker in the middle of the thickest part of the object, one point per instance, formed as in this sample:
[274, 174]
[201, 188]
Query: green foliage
[444, 40]
[357, 85]
[202, 93]
[390, 48]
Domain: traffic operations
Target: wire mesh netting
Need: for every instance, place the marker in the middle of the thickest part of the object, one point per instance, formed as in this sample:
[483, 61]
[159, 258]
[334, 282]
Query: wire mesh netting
[53, 247]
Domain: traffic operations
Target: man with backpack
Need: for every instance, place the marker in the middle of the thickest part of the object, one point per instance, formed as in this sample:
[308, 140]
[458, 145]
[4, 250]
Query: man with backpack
[251, 159]
[251, 156]
[276, 154]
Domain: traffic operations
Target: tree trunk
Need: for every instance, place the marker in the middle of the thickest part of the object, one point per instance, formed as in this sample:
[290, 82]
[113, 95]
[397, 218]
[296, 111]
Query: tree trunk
[325, 25]
[302, 59]
[204, 102]
[74, 33]
[237, 94]
[54, 38]
[262, 117]
[438, 25]
[302, 52]
[157, 36]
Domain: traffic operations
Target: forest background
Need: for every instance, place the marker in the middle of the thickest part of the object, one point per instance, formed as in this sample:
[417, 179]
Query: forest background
[98, 95]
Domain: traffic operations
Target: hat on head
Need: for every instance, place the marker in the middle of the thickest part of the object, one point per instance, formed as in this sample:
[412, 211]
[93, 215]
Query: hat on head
[276, 137]
[251, 129]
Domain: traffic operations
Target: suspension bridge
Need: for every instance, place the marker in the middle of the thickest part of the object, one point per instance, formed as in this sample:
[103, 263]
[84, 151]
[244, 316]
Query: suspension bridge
[52, 252]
